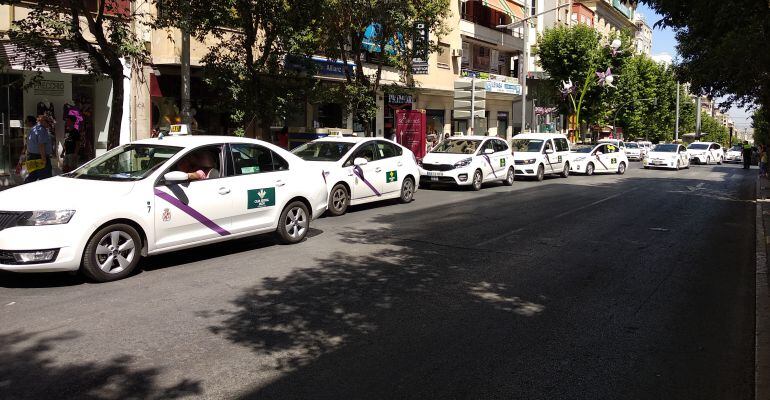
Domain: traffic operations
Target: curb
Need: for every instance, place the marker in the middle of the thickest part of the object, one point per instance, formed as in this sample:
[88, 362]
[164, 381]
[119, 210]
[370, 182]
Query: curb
[761, 306]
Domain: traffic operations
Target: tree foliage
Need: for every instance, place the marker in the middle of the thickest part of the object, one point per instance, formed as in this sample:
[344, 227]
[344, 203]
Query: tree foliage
[760, 121]
[99, 32]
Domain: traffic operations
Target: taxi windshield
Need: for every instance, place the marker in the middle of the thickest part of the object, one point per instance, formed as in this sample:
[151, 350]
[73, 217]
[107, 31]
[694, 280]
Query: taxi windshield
[584, 149]
[632, 145]
[737, 147]
[666, 148]
[527, 145]
[457, 146]
[698, 146]
[131, 162]
[323, 151]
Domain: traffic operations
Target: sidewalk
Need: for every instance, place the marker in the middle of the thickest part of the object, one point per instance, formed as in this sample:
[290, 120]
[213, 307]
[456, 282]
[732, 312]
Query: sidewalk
[762, 344]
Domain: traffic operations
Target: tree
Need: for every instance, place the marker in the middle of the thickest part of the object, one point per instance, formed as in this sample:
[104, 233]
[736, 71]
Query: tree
[99, 31]
[712, 130]
[257, 55]
[712, 37]
[392, 22]
[760, 121]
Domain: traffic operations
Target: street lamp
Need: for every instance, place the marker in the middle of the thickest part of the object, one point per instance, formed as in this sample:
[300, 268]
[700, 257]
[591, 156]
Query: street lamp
[615, 119]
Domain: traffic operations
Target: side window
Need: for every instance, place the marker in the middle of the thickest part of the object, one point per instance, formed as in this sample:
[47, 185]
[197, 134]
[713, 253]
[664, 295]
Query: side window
[548, 145]
[500, 146]
[367, 151]
[207, 159]
[489, 144]
[561, 144]
[250, 159]
[601, 149]
[386, 150]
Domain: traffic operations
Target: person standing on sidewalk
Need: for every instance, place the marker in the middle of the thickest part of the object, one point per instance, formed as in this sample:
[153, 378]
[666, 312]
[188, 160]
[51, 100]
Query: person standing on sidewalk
[70, 158]
[746, 154]
[39, 148]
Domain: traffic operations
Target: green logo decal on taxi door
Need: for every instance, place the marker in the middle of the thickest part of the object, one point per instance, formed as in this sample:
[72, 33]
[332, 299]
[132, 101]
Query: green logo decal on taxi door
[259, 198]
[391, 176]
[502, 162]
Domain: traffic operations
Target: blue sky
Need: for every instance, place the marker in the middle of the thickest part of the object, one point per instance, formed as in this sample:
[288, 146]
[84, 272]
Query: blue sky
[663, 41]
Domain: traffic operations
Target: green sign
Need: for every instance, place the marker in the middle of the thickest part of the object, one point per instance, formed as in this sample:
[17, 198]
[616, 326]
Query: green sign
[559, 159]
[614, 161]
[391, 176]
[259, 198]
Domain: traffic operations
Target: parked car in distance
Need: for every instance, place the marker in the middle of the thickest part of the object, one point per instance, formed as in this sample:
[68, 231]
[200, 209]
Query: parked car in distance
[734, 154]
[634, 151]
[540, 154]
[599, 158]
[468, 161]
[705, 152]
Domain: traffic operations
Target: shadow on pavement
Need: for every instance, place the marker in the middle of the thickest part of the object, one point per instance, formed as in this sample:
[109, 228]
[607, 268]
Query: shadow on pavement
[27, 372]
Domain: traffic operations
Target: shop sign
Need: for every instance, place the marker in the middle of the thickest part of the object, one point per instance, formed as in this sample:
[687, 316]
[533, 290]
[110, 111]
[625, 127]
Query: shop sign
[399, 99]
[411, 131]
[330, 68]
[419, 67]
[49, 88]
[503, 87]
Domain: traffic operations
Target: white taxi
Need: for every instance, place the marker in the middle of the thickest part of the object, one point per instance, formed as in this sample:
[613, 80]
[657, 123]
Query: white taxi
[634, 151]
[468, 161]
[705, 152]
[154, 196]
[362, 170]
[540, 154]
[735, 154]
[600, 158]
[670, 155]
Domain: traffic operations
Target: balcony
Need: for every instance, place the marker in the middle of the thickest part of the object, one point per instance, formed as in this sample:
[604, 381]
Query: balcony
[503, 40]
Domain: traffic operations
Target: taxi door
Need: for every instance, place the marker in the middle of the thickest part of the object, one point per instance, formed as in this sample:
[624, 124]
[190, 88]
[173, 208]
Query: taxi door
[262, 182]
[366, 181]
[551, 160]
[392, 162]
[612, 157]
[189, 212]
[502, 159]
[602, 159]
[489, 161]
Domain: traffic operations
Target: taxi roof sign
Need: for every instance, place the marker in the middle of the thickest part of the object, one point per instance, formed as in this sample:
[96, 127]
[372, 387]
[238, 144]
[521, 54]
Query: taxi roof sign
[179, 130]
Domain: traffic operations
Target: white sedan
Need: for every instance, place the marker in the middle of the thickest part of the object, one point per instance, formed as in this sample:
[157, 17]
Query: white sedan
[705, 152]
[667, 156]
[154, 196]
[468, 161]
[600, 158]
[735, 154]
[362, 170]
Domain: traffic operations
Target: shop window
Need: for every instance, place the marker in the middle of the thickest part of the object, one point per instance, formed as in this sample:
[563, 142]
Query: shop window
[444, 56]
[329, 115]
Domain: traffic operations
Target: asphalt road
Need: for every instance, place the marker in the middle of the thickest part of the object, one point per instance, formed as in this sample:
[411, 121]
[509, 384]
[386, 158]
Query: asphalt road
[604, 287]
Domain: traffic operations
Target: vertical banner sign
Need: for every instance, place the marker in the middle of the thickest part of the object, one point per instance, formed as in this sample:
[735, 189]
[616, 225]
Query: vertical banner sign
[410, 131]
[420, 48]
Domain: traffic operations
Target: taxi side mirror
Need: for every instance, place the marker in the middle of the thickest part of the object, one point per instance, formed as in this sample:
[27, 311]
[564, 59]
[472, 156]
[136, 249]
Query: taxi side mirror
[489, 151]
[360, 161]
[175, 177]
[548, 151]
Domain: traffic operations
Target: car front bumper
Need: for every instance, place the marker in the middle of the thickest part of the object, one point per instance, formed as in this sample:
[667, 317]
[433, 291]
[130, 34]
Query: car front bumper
[63, 238]
[458, 176]
[658, 164]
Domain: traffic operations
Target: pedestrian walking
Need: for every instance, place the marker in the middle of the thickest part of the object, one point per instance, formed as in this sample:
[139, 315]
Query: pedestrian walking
[70, 156]
[746, 154]
[39, 150]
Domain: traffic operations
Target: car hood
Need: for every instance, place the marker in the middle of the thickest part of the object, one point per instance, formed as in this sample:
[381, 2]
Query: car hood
[526, 155]
[661, 154]
[60, 193]
[444, 158]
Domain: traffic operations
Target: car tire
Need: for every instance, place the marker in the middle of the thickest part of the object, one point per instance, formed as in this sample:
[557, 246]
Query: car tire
[478, 179]
[339, 200]
[622, 168]
[590, 169]
[112, 253]
[293, 223]
[565, 172]
[646, 167]
[407, 190]
[719, 161]
[708, 160]
[678, 165]
[540, 173]
[510, 177]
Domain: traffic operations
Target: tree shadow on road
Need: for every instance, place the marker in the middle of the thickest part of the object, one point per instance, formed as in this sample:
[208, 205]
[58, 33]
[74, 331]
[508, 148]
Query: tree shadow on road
[28, 372]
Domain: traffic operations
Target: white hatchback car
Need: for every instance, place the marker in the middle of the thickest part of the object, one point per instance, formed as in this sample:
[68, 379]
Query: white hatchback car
[634, 151]
[468, 161]
[669, 155]
[735, 154]
[705, 152]
[362, 170]
[154, 196]
[540, 154]
[599, 159]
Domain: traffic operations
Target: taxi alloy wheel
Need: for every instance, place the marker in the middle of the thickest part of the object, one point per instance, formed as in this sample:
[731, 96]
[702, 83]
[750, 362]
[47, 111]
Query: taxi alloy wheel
[708, 160]
[407, 190]
[294, 223]
[112, 253]
[509, 178]
[678, 165]
[477, 180]
[540, 173]
[565, 172]
[622, 168]
[590, 169]
[339, 200]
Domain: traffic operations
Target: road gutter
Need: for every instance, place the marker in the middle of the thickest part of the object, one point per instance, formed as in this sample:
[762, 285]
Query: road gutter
[762, 304]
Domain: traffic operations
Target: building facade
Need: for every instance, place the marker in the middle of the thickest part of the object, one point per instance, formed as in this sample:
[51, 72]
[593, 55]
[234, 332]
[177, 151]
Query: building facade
[643, 37]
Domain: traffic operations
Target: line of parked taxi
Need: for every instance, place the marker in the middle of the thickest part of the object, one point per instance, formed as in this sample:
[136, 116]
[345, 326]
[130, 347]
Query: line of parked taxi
[172, 193]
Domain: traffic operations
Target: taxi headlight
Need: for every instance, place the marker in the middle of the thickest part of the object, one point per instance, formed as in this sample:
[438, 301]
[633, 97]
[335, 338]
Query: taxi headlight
[530, 161]
[38, 218]
[463, 163]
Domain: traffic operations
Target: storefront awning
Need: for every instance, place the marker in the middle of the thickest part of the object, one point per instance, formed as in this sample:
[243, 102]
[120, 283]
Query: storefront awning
[513, 9]
[66, 61]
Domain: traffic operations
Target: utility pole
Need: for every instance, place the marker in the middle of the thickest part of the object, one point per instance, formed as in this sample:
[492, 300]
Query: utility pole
[676, 127]
[697, 120]
[524, 63]
[185, 61]
[473, 105]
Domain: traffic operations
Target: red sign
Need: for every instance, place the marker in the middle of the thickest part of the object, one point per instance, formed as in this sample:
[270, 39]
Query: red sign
[410, 131]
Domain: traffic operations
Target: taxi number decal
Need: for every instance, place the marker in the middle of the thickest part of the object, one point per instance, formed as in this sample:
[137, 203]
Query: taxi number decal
[613, 161]
[558, 159]
[502, 162]
[176, 128]
[391, 176]
[260, 198]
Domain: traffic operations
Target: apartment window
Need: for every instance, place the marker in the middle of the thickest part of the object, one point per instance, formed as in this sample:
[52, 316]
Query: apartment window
[464, 10]
[481, 58]
[444, 56]
[466, 59]
[534, 7]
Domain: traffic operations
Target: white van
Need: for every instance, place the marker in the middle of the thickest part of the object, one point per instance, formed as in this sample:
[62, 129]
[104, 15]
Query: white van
[539, 154]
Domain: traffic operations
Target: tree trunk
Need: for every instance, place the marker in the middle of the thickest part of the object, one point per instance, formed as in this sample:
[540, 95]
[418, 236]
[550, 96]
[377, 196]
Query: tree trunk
[116, 109]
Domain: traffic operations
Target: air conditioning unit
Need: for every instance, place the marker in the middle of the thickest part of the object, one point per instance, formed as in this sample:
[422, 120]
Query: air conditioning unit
[457, 52]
